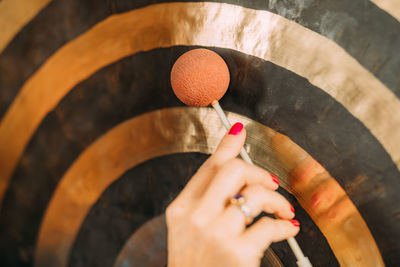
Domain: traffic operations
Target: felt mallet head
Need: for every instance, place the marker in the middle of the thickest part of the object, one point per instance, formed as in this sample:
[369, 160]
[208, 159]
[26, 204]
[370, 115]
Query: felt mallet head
[199, 76]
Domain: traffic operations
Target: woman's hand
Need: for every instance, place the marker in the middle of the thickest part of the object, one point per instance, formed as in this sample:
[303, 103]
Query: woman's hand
[204, 231]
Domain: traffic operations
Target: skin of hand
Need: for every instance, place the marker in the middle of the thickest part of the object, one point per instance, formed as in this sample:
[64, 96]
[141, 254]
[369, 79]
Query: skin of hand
[203, 230]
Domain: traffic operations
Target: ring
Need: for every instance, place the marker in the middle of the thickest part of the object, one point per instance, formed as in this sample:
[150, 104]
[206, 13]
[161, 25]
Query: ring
[240, 201]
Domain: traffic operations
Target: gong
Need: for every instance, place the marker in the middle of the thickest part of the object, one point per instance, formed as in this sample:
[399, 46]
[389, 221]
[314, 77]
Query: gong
[94, 144]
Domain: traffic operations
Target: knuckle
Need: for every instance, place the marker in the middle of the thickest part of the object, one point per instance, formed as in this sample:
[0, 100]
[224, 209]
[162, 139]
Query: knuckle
[210, 162]
[174, 211]
[239, 163]
[236, 165]
[226, 143]
[210, 165]
[265, 221]
[215, 237]
[282, 200]
[256, 190]
[195, 224]
[169, 214]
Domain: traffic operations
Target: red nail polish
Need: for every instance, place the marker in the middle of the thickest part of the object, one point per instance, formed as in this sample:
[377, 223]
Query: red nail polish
[236, 129]
[274, 178]
[291, 208]
[295, 223]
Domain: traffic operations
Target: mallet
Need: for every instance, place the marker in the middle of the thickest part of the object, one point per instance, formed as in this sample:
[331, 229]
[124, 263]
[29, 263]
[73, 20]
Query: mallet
[200, 77]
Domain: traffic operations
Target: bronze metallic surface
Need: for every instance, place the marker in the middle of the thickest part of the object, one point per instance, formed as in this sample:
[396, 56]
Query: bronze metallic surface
[178, 130]
[254, 32]
[147, 245]
[390, 6]
[14, 14]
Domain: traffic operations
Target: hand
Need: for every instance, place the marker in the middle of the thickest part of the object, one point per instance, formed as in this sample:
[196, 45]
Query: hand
[204, 231]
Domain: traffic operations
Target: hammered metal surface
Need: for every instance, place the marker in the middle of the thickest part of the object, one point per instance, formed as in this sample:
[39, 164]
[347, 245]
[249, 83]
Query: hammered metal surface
[148, 246]
[352, 66]
[176, 130]
[256, 32]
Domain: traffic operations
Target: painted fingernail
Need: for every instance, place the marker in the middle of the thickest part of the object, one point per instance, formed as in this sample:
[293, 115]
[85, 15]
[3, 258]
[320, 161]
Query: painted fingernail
[295, 223]
[236, 129]
[274, 178]
[291, 208]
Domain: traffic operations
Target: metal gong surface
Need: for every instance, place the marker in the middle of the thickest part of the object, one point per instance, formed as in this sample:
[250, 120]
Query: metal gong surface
[94, 144]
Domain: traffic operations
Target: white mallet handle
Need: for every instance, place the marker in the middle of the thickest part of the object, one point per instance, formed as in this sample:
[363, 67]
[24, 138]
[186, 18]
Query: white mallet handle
[302, 261]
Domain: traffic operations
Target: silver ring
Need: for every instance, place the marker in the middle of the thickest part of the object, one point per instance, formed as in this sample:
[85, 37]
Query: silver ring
[240, 201]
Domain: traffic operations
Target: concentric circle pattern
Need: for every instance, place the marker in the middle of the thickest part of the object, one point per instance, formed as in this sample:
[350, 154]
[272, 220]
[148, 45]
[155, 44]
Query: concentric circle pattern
[94, 144]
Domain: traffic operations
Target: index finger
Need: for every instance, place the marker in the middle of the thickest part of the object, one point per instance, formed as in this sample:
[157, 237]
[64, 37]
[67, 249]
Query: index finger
[229, 148]
[230, 145]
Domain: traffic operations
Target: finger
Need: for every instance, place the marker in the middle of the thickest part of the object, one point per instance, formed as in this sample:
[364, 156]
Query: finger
[258, 199]
[228, 181]
[268, 230]
[230, 145]
[228, 148]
